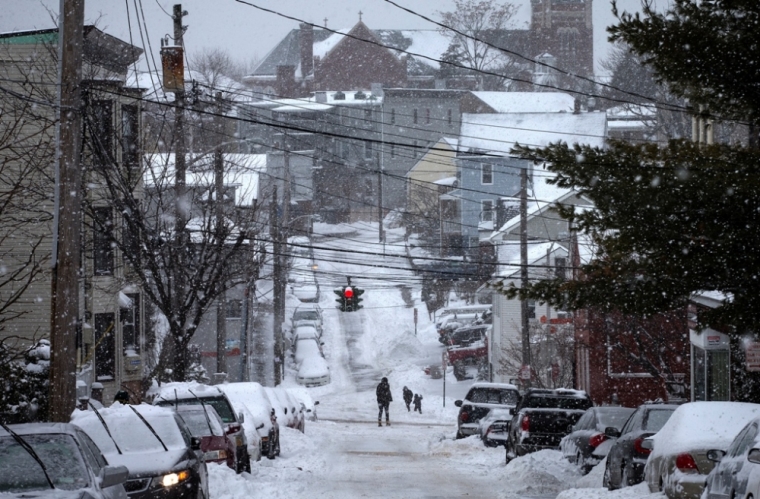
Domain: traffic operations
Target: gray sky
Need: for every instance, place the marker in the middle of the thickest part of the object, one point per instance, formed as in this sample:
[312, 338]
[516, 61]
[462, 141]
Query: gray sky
[247, 33]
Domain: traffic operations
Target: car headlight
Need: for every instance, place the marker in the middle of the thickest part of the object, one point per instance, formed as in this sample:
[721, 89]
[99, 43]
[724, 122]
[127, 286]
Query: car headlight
[172, 478]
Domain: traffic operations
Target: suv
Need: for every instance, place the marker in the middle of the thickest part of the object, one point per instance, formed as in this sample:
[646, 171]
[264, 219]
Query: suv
[213, 396]
[481, 398]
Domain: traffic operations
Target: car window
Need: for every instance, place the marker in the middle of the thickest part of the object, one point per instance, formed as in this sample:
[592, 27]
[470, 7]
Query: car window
[60, 454]
[656, 419]
[306, 315]
[199, 425]
[493, 396]
[559, 402]
[613, 418]
[743, 441]
[222, 406]
[91, 452]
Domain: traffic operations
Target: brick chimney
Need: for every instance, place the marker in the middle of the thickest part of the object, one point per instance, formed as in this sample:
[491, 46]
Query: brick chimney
[307, 49]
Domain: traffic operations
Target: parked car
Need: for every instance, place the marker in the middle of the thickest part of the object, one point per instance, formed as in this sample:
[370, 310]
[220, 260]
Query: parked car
[247, 445]
[163, 459]
[678, 464]
[307, 314]
[297, 408]
[627, 457]
[313, 371]
[481, 398]
[250, 399]
[304, 331]
[305, 288]
[543, 417]
[588, 443]
[468, 346]
[450, 323]
[737, 468]
[285, 409]
[306, 347]
[204, 423]
[56, 460]
[494, 427]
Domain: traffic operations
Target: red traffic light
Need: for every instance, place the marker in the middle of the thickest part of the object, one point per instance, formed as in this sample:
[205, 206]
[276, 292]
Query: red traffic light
[348, 293]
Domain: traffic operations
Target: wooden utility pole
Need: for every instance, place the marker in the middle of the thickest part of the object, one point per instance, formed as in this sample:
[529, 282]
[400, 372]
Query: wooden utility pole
[526, 360]
[278, 291]
[68, 214]
[221, 301]
[180, 191]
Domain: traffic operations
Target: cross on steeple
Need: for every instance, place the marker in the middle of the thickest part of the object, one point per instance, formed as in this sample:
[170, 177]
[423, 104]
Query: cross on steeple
[325, 22]
[360, 16]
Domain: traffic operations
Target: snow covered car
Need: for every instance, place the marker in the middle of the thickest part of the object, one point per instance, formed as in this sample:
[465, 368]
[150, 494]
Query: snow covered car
[39, 460]
[204, 423]
[678, 464]
[305, 331]
[286, 409]
[626, 457]
[494, 427]
[306, 347]
[313, 371]
[307, 314]
[480, 399]
[737, 468]
[588, 443]
[305, 289]
[154, 444]
[247, 443]
[251, 399]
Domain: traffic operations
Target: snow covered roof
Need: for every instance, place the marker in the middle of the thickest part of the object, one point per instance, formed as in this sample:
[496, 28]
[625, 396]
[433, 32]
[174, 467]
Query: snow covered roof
[498, 133]
[508, 255]
[446, 181]
[528, 102]
[240, 170]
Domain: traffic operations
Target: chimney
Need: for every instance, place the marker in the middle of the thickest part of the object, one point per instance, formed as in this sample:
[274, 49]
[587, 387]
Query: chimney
[320, 97]
[577, 108]
[286, 82]
[377, 89]
[307, 49]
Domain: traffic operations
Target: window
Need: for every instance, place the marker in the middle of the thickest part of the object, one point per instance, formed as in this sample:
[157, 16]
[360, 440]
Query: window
[486, 173]
[414, 116]
[101, 241]
[560, 267]
[486, 210]
[393, 116]
[130, 148]
[531, 309]
[234, 309]
[105, 366]
[130, 324]
[367, 149]
[450, 117]
[427, 116]
[368, 123]
[101, 129]
[129, 238]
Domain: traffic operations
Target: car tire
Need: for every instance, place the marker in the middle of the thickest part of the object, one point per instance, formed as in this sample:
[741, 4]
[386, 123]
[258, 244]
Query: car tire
[247, 462]
[459, 435]
[277, 448]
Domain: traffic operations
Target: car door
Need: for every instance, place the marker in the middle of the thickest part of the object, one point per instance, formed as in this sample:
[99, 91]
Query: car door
[727, 477]
[575, 439]
[624, 446]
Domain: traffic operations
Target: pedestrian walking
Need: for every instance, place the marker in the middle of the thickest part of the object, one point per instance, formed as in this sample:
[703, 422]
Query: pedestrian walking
[408, 398]
[418, 403]
[384, 398]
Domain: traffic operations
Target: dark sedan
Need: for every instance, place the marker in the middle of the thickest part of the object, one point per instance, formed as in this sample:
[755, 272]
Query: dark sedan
[204, 422]
[55, 460]
[588, 444]
[164, 460]
[627, 457]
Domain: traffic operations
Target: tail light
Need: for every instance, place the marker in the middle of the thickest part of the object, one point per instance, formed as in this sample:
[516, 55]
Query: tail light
[597, 439]
[686, 464]
[638, 448]
[525, 423]
[464, 416]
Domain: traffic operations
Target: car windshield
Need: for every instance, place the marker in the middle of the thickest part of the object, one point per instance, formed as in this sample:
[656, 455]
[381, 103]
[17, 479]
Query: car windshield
[657, 418]
[493, 396]
[198, 424]
[20, 472]
[221, 405]
[306, 315]
[614, 418]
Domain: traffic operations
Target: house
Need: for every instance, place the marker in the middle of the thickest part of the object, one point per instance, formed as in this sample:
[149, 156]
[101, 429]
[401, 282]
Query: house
[313, 58]
[111, 341]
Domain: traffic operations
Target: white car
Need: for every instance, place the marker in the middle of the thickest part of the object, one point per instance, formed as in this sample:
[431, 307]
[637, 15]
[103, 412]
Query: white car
[307, 347]
[313, 371]
[305, 289]
[304, 331]
[309, 314]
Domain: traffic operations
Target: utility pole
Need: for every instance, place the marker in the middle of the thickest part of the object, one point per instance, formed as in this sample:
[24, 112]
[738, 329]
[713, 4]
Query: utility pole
[180, 191]
[278, 291]
[221, 301]
[526, 360]
[68, 213]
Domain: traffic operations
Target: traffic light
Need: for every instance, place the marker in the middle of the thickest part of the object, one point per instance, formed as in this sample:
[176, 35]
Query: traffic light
[341, 292]
[357, 298]
[348, 296]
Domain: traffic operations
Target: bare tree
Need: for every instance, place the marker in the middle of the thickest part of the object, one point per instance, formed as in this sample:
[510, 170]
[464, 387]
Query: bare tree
[474, 27]
[551, 354]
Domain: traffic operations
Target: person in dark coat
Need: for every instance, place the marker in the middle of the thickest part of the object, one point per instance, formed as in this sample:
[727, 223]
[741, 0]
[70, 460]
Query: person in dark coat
[384, 398]
[407, 397]
[418, 403]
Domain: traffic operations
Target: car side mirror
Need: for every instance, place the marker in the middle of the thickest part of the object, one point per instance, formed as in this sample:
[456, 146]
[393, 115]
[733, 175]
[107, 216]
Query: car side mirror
[647, 443]
[458, 403]
[240, 417]
[113, 475]
[754, 456]
[195, 443]
[715, 455]
[612, 432]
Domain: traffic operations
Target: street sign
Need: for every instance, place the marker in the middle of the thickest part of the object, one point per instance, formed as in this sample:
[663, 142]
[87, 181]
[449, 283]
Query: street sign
[524, 373]
[753, 357]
